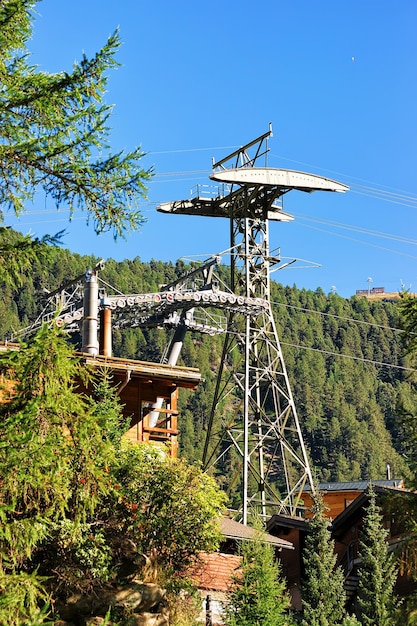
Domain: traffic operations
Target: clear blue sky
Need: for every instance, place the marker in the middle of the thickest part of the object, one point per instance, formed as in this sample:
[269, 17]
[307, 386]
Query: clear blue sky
[338, 81]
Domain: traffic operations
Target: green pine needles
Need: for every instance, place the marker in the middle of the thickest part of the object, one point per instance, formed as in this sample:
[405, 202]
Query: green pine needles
[52, 452]
[54, 132]
[377, 602]
[258, 596]
[324, 597]
[79, 505]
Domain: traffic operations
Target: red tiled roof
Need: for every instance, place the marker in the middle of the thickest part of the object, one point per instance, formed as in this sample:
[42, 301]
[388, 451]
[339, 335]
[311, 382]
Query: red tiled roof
[215, 571]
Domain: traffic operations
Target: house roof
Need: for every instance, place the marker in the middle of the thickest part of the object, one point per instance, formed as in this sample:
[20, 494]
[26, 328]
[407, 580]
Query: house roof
[235, 530]
[360, 485]
[361, 502]
[215, 571]
[287, 521]
[187, 377]
[181, 376]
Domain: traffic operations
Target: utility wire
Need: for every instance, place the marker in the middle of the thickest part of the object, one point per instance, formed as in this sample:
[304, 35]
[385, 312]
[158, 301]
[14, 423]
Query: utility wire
[349, 356]
[379, 192]
[358, 229]
[339, 174]
[148, 207]
[365, 243]
[339, 317]
[193, 150]
[370, 186]
[341, 355]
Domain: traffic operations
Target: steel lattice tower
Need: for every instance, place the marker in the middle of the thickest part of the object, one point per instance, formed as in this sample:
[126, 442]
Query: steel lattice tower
[253, 423]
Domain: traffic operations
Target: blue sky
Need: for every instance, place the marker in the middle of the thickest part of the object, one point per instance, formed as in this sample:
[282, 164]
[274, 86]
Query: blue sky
[336, 78]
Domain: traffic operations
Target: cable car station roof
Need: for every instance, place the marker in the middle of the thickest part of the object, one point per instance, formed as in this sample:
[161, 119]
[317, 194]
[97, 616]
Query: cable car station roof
[185, 377]
[262, 186]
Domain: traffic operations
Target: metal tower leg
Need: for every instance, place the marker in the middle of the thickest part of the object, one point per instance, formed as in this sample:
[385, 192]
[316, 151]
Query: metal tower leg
[258, 419]
[253, 429]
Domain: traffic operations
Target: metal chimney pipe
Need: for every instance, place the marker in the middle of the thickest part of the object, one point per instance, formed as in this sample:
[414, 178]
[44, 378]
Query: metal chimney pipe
[105, 346]
[90, 319]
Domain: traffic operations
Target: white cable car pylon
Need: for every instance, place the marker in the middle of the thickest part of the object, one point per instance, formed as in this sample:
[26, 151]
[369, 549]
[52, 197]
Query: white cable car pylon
[253, 423]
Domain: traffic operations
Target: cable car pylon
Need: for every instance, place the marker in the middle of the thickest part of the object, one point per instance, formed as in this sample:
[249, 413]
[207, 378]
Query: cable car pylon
[253, 425]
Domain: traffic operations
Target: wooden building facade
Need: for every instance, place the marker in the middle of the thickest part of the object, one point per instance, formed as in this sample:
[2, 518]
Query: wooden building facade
[149, 395]
[338, 496]
[346, 507]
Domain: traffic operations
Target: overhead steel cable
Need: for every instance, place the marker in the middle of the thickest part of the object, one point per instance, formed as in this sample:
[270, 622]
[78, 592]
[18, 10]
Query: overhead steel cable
[344, 356]
[350, 356]
[379, 195]
[389, 194]
[357, 229]
[339, 317]
[365, 243]
[347, 176]
[191, 150]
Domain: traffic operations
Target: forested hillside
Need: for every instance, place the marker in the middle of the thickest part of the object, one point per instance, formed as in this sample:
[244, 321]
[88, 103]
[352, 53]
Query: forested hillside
[344, 358]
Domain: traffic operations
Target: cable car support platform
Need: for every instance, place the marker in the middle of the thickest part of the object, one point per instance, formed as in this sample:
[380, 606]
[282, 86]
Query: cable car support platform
[254, 438]
[253, 423]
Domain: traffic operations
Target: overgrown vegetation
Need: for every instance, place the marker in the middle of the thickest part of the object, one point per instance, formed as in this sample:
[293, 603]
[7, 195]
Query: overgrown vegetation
[344, 359]
[79, 507]
[258, 594]
[377, 603]
[324, 597]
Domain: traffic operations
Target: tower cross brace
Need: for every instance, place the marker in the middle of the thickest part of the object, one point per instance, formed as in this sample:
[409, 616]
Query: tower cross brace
[253, 425]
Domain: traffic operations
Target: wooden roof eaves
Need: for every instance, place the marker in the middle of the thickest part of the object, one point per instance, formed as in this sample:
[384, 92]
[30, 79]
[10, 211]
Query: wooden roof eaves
[287, 521]
[182, 376]
[361, 501]
[359, 485]
[240, 532]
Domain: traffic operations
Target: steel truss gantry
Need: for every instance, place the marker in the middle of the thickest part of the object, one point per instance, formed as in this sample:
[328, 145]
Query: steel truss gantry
[253, 423]
[188, 303]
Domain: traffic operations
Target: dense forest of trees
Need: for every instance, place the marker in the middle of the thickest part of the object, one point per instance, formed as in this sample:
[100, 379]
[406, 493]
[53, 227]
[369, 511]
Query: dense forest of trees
[345, 360]
[79, 504]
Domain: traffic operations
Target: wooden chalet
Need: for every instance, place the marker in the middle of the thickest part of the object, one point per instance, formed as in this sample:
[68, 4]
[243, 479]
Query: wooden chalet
[338, 496]
[346, 505]
[294, 530]
[346, 531]
[215, 572]
[149, 395]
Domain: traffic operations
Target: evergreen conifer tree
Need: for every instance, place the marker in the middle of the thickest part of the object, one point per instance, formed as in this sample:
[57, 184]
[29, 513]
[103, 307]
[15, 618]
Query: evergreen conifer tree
[258, 596]
[323, 591]
[377, 571]
[52, 453]
[53, 126]
[72, 493]
[106, 407]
